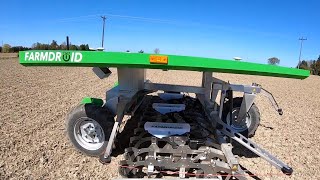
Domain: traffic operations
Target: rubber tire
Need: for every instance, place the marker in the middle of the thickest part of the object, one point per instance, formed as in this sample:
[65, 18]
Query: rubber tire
[100, 114]
[253, 113]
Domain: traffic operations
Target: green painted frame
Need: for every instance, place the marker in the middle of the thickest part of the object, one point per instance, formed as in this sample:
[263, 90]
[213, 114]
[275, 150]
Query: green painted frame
[140, 60]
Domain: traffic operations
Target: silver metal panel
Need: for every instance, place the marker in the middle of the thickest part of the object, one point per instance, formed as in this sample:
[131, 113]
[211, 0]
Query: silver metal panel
[235, 87]
[245, 88]
[111, 93]
[245, 105]
[174, 88]
[206, 83]
[131, 79]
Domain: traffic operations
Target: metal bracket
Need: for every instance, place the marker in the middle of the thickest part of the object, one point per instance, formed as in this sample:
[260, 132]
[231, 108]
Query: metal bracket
[102, 72]
[174, 88]
[115, 128]
[124, 103]
[246, 104]
[121, 107]
[227, 151]
[131, 83]
[249, 144]
[252, 146]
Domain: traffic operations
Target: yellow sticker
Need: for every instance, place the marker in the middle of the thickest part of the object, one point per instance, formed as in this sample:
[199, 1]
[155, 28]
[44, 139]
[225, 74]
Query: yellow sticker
[158, 59]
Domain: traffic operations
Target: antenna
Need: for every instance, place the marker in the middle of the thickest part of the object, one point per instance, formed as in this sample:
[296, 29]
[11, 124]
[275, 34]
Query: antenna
[67, 42]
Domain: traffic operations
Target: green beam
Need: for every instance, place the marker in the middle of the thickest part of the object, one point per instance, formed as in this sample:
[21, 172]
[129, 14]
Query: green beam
[139, 60]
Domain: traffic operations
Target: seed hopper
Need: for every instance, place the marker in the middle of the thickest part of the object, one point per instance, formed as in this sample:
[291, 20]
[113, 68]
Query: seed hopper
[159, 128]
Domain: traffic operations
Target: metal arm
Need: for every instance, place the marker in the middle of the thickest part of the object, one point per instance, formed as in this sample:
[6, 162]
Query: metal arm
[269, 95]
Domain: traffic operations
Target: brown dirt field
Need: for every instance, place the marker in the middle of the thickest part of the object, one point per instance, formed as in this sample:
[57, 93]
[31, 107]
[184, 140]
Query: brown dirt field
[8, 55]
[35, 101]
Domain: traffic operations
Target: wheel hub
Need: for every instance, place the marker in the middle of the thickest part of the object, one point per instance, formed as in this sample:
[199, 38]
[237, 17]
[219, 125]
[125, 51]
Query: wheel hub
[90, 131]
[238, 125]
[89, 134]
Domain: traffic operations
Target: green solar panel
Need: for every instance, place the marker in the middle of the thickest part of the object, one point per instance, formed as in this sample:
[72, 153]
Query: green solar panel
[139, 60]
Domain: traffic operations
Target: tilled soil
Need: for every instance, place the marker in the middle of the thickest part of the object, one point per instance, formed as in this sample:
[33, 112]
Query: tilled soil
[35, 101]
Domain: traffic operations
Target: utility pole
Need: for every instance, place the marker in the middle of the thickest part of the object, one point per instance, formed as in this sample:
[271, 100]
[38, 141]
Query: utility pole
[104, 21]
[301, 39]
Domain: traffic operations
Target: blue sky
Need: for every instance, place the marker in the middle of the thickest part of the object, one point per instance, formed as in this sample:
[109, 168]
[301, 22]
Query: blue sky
[251, 29]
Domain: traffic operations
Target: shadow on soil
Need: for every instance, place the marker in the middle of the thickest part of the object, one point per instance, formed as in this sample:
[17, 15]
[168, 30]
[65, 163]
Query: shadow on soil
[242, 151]
[250, 173]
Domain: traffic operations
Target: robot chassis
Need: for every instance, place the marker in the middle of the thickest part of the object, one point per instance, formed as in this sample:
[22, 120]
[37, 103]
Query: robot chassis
[212, 158]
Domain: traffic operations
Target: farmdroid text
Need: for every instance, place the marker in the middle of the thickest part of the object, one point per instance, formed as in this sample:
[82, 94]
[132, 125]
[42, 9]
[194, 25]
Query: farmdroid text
[53, 56]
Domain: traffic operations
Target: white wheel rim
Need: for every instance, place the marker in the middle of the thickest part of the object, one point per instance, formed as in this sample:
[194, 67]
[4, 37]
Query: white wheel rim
[89, 134]
[241, 125]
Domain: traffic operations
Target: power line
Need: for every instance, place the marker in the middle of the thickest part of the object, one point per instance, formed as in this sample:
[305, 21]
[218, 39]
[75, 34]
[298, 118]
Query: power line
[301, 39]
[79, 18]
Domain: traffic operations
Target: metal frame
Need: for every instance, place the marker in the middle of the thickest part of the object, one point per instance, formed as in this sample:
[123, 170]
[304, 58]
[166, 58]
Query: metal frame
[132, 81]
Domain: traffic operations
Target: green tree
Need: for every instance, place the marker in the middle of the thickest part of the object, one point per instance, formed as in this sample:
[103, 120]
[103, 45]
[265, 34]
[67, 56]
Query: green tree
[46, 46]
[312, 65]
[273, 61]
[35, 46]
[73, 47]
[0, 49]
[54, 45]
[87, 47]
[304, 65]
[6, 48]
[63, 46]
[141, 51]
[82, 47]
[316, 67]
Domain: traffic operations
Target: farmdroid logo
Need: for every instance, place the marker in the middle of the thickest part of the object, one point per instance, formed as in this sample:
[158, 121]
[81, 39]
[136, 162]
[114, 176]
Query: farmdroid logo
[53, 56]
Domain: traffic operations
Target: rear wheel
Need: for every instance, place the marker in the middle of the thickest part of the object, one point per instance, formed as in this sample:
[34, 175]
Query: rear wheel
[246, 126]
[89, 127]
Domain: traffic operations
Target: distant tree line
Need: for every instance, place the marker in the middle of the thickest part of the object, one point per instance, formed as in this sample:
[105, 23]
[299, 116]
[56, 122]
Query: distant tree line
[63, 46]
[312, 65]
[12, 49]
[42, 46]
[156, 51]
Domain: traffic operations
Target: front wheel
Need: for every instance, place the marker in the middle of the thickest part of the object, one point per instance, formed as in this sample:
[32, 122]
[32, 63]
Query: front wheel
[89, 127]
[246, 126]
